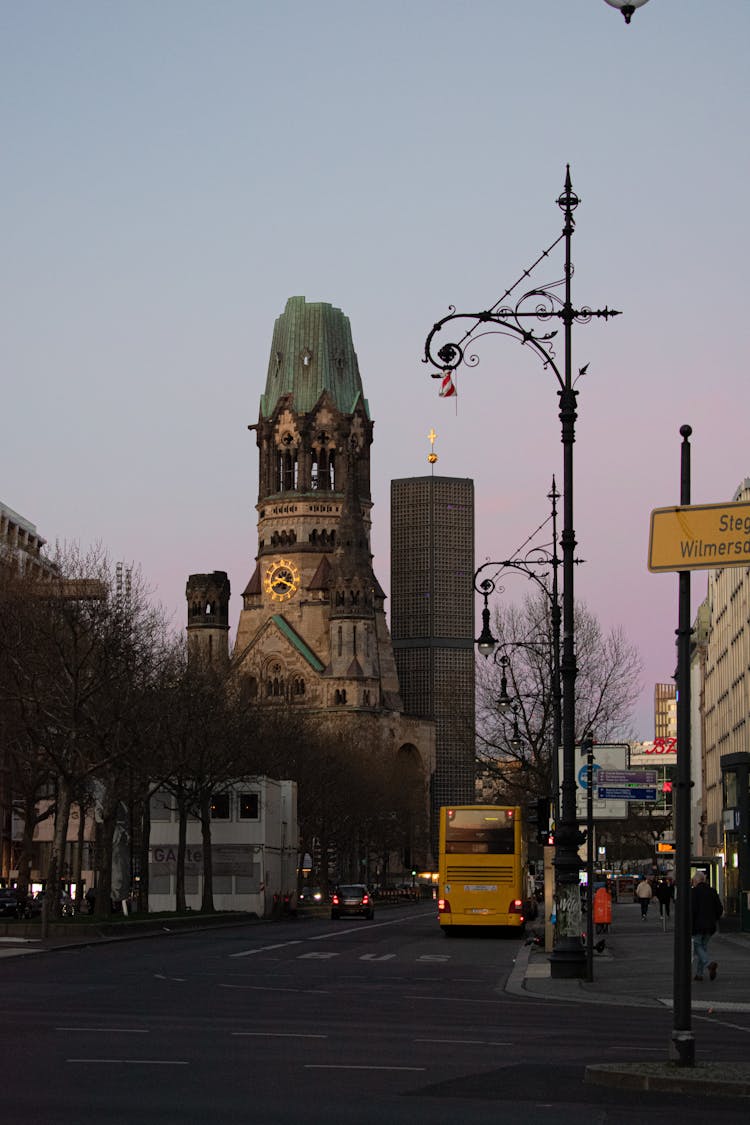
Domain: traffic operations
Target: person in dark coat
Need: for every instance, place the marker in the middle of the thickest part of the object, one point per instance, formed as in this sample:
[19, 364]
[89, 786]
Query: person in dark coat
[706, 909]
[665, 895]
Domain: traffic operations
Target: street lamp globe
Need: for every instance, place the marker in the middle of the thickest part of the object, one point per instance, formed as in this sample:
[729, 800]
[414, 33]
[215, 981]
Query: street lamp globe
[627, 7]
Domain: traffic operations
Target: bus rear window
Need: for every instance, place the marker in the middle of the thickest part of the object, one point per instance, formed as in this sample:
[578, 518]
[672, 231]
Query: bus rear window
[473, 832]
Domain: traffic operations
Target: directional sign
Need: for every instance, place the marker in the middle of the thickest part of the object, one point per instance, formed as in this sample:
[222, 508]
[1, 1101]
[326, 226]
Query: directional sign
[607, 756]
[624, 793]
[631, 778]
[699, 537]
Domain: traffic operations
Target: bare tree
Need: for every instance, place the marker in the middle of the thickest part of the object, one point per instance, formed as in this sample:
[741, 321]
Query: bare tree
[515, 741]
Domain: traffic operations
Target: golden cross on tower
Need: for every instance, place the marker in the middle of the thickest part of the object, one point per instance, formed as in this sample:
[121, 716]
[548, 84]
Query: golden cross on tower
[432, 455]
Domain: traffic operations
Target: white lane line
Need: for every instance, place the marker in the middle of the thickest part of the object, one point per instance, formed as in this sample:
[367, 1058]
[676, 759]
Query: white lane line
[455, 999]
[259, 988]
[109, 1030]
[18, 952]
[276, 1035]
[341, 1066]
[134, 1062]
[265, 948]
[466, 1042]
[317, 956]
[377, 956]
[725, 1023]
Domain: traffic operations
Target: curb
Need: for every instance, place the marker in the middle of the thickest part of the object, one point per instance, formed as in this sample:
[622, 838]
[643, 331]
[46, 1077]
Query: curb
[730, 1080]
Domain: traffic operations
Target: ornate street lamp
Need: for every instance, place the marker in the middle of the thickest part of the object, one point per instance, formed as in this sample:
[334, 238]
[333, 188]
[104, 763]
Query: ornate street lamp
[544, 306]
[627, 7]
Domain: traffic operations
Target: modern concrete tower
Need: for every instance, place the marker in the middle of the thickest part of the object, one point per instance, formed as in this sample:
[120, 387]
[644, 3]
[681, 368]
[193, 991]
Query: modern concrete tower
[432, 619]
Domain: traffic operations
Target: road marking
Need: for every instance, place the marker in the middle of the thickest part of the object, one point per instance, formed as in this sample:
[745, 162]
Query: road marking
[466, 1042]
[711, 1005]
[377, 956]
[442, 999]
[134, 1062]
[17, 952]
[341, 1066]
[725, 1023]
[317, 956]
[276, 1035]
[433, 957]
[265, 948]
[109, 1030]
[259, 988]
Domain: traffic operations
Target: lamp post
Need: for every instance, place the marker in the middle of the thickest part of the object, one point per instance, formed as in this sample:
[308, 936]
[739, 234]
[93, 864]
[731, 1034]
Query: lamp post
[543, 305]
[538, 559]
[627, 7]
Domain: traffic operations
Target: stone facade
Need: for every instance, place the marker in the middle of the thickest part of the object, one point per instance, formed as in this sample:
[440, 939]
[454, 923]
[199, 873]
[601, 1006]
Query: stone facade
[312, 631]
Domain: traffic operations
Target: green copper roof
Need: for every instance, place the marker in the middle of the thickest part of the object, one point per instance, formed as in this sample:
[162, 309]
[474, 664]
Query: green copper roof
[297, 641]
[312, 352]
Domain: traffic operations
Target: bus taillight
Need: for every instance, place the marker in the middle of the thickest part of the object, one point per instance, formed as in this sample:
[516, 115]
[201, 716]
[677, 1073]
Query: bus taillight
[516, 906]
[444, 907]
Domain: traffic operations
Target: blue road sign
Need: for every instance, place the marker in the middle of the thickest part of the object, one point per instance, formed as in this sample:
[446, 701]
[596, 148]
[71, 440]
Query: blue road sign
[625, 793]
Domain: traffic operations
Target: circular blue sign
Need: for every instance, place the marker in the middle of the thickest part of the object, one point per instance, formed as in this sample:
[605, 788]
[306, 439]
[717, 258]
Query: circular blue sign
[583, 775]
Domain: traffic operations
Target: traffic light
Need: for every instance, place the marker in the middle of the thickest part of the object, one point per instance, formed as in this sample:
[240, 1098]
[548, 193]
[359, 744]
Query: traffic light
[542, 820]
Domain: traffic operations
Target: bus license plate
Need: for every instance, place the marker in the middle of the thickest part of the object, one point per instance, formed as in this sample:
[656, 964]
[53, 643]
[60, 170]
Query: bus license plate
[481, 887]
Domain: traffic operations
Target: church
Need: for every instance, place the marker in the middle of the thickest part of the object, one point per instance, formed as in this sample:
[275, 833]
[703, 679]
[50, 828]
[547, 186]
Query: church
[312, 631]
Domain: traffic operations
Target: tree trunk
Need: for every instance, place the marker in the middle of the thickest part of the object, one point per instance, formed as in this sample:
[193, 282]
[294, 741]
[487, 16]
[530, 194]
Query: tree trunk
[103, 904]
[51, 901]
[27, 845]
[207, 901]
[180, 903]
[78, 863]
[144, 853]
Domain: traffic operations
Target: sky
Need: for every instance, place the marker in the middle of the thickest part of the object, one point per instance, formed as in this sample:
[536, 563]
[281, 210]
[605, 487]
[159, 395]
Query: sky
[175, 170]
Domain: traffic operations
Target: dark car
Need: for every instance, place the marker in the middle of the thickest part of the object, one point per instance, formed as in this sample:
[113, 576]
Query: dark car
[13, 906]
[352, 898]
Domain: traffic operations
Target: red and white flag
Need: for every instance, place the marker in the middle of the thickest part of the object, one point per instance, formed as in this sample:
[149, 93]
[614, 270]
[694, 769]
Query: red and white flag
[447, 387]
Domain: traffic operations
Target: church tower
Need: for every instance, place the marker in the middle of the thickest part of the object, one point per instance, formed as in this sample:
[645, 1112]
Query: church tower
[208, 618]
[312, 631]
[313, 626]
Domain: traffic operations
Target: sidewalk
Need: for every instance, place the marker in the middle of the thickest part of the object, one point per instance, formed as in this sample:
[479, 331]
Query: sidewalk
[636, 968]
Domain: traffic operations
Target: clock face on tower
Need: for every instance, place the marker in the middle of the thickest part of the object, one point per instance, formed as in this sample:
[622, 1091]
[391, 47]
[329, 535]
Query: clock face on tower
[281, 581]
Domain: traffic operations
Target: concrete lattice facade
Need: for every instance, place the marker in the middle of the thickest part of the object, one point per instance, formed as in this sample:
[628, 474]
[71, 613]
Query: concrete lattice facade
[432, 619]
[722, 634]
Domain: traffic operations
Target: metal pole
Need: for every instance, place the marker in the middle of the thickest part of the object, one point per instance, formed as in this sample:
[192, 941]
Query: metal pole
[588, 744]
[556, 700]
[567, 958]
[682, 1046]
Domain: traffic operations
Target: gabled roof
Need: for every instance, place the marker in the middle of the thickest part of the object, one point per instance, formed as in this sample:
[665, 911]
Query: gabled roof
[253, 586]
[321, 580]
[296, 640]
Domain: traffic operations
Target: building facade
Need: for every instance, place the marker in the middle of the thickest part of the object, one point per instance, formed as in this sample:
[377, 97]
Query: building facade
[432, 620]
[726, 726]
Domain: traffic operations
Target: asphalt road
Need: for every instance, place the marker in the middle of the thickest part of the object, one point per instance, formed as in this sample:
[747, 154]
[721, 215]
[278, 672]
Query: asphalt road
[316, 1021]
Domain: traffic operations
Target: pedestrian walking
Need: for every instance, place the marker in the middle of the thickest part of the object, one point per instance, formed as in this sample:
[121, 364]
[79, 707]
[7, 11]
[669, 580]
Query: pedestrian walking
[644, 894]
[705, 909]
[665, 895]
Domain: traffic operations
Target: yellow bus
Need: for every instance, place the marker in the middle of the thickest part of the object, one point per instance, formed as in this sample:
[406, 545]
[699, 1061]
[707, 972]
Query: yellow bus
[482, 868]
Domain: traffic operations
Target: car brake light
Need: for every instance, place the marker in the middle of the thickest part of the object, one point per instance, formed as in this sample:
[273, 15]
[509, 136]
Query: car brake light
[335, 900]
[365, 899]
[444, 907]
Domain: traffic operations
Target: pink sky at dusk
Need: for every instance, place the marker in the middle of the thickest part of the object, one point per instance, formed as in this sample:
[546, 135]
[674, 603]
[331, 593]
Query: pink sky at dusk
[175, 172]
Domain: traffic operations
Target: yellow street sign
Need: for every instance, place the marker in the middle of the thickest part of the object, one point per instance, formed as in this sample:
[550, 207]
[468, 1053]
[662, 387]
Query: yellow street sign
[699, 537]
